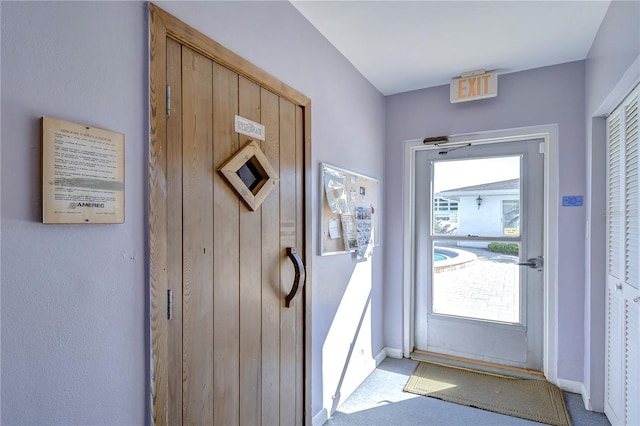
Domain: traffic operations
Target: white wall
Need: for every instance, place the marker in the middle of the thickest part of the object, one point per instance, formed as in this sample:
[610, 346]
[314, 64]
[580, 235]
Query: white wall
[74, 298]
[612, 68]
[550, 95]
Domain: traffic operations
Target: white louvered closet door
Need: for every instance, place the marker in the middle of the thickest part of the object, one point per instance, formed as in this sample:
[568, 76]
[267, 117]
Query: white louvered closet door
[622, 396]
[614, 393]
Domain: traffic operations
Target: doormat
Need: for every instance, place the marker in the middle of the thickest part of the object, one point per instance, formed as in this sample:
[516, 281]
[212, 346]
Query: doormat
[536, 400]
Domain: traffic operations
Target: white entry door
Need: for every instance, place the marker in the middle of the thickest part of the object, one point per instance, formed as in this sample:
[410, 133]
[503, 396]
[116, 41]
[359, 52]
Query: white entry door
[478, 218]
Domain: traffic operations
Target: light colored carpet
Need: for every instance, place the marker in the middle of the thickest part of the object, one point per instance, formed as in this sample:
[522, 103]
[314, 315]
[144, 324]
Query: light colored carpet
[536, 400]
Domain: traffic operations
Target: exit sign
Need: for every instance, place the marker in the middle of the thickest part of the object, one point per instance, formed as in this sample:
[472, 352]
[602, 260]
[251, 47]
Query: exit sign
[474, 85]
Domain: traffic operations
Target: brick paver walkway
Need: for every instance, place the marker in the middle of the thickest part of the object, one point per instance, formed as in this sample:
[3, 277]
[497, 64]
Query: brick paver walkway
[489, 289]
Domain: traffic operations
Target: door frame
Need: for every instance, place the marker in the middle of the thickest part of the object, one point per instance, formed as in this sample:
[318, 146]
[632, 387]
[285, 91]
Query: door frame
[161, 26]
[549, 134]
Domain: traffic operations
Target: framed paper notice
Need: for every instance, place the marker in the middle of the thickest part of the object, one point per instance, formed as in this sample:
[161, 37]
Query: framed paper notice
[82, 173]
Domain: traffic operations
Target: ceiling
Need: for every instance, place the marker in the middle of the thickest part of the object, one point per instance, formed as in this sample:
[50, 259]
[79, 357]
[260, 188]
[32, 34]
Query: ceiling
[401, 46]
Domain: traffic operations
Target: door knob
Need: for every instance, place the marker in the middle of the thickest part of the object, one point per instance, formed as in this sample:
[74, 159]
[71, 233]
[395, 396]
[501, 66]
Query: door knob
[534, 263]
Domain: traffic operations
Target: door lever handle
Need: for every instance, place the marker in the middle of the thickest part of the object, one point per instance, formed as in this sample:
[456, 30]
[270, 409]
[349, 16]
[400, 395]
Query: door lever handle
[299, 269]
[534, 262]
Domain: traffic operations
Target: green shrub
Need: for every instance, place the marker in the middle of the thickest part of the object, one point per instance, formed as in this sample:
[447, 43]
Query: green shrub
[504, 248]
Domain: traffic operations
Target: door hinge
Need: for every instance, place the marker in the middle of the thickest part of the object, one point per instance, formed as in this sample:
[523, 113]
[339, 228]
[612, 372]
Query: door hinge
[169, 304]
[168, 101]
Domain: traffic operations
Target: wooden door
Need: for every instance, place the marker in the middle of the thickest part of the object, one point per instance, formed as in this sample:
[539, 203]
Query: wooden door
[226, 348]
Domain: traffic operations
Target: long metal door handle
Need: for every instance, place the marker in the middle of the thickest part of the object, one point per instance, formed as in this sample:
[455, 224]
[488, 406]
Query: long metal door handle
[535, 262]
[299, 269]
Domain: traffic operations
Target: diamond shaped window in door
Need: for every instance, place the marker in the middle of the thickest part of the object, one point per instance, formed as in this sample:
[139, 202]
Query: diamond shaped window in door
[249, 172]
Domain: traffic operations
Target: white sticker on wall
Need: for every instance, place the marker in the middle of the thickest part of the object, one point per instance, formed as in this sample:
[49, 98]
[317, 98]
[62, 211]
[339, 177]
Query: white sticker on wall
[249, 128]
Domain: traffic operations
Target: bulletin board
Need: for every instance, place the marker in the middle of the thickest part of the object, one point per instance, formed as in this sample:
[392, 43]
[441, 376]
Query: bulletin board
[355, 194]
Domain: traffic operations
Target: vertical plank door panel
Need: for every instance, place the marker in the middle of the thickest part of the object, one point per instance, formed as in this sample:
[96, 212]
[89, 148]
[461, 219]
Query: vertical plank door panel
[271, 293]
[250, 279]
[287, 239]
[158, 364]
[300, 303]
[174, 228]
[226, 309]
[197, 233]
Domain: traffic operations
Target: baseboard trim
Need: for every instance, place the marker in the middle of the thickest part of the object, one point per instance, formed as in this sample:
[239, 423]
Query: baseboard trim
[380, 356]
[579, 388]
[387, 352]
[320, 418]
[572, 386]
[394, 353]
[586, 398]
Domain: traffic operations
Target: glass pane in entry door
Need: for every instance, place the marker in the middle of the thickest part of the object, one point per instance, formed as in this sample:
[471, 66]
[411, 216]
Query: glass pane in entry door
[477, 197]
[476, 282]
